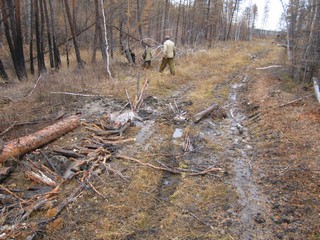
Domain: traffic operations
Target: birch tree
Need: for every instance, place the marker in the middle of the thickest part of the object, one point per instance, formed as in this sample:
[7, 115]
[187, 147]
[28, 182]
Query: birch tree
[106, 39]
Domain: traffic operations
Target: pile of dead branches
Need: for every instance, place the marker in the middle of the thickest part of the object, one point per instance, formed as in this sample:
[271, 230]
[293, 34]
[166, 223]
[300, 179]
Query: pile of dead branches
[85, 163]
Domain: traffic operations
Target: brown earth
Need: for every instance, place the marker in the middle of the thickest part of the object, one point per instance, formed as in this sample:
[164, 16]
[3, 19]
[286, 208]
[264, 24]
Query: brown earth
[264, 139]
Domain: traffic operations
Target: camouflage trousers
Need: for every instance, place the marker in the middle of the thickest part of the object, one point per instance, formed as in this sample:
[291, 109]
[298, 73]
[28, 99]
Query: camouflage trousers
[164, 63]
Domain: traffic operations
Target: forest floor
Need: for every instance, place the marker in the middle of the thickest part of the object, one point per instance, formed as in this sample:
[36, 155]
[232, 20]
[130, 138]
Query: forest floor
[249, 170]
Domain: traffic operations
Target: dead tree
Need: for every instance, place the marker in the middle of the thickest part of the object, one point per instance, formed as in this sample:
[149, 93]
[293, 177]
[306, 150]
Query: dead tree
[39, 40]
[12, 28]
[56, 54]
[48, 33]
[106, 39]
[98, 35]
[73, 33]
[3, 73]
[31, 37]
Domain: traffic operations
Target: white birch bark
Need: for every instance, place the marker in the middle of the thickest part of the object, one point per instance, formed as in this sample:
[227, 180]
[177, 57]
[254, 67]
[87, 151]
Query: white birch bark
[106, 39]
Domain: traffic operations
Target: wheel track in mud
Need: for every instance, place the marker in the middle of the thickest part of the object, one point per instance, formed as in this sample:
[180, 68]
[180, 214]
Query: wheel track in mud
[238, 149]
[254, 210]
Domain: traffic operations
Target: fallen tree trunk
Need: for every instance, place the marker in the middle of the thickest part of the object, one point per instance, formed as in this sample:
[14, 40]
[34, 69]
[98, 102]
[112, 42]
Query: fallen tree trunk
[33, 141]
[196, 118]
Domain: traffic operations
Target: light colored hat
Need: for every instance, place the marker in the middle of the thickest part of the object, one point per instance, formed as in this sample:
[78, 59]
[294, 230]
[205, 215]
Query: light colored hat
[166, 37]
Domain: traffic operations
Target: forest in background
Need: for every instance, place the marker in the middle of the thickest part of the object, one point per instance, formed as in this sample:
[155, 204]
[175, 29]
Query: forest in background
[34, 34]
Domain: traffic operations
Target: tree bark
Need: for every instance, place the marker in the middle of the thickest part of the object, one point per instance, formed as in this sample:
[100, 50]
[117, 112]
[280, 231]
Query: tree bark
[11, 36]
[48, 34]
[31, 38]
[73, 33]
[57, 60]
[39, 39]
[3, 73]
[23, 145]
[106, 39]
[19, 41]
[95, 37]
[178, 22]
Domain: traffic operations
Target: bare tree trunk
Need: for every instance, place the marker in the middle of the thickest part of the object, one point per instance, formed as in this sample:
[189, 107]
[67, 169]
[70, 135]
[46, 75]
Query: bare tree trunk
[73, 33]
[48, 34]
[3, 73]
[208, 20]
[96, 33]
[66, 32]
[106, 39]
[12, 38]
[231, 19]
[19, 43]
[39, 39]
[289, 53]
[56, 54]
[307, 54]
[178, 22]
[110, 28]
[165, 19]
[159, 33]
[31, 38]
[139, 20]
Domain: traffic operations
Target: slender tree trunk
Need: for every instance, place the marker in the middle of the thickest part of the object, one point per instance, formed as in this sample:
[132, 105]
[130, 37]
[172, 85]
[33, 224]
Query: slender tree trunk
[307, 53]
[178, 22]
[106, 39]
[184, 23]
[231, 19]
[11, 36]
[73, 33]
[66, 32]
[40, 54]
[19, 40]
[42, 27]
[74, 16]
[121, 34]
[56, 54]
[31, 38]
[110, 28]
[3, 73]
[208, 20]
[139, 21]
[165, 19]
[48, 34]
[95, 41]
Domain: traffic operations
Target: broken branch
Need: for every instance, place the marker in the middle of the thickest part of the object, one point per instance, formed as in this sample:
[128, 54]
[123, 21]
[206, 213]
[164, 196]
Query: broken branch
[171, 170]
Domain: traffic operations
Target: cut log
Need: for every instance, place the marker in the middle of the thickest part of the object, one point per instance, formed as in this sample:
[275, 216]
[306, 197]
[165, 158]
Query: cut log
[33, 141]
[196, 118]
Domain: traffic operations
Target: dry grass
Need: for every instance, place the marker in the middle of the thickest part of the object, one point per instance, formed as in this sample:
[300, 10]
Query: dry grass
[192, 207]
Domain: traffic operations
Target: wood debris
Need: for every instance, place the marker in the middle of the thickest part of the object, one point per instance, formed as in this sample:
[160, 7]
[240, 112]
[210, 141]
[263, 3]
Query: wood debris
[31, 142]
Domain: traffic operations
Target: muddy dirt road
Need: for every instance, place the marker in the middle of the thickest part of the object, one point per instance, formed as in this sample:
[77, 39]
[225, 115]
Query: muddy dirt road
[239, 173]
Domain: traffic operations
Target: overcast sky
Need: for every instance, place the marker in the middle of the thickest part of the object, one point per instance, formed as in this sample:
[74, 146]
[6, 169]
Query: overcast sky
[275, 11]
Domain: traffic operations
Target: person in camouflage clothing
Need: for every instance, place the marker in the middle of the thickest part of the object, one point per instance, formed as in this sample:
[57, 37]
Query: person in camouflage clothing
[147, 57]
